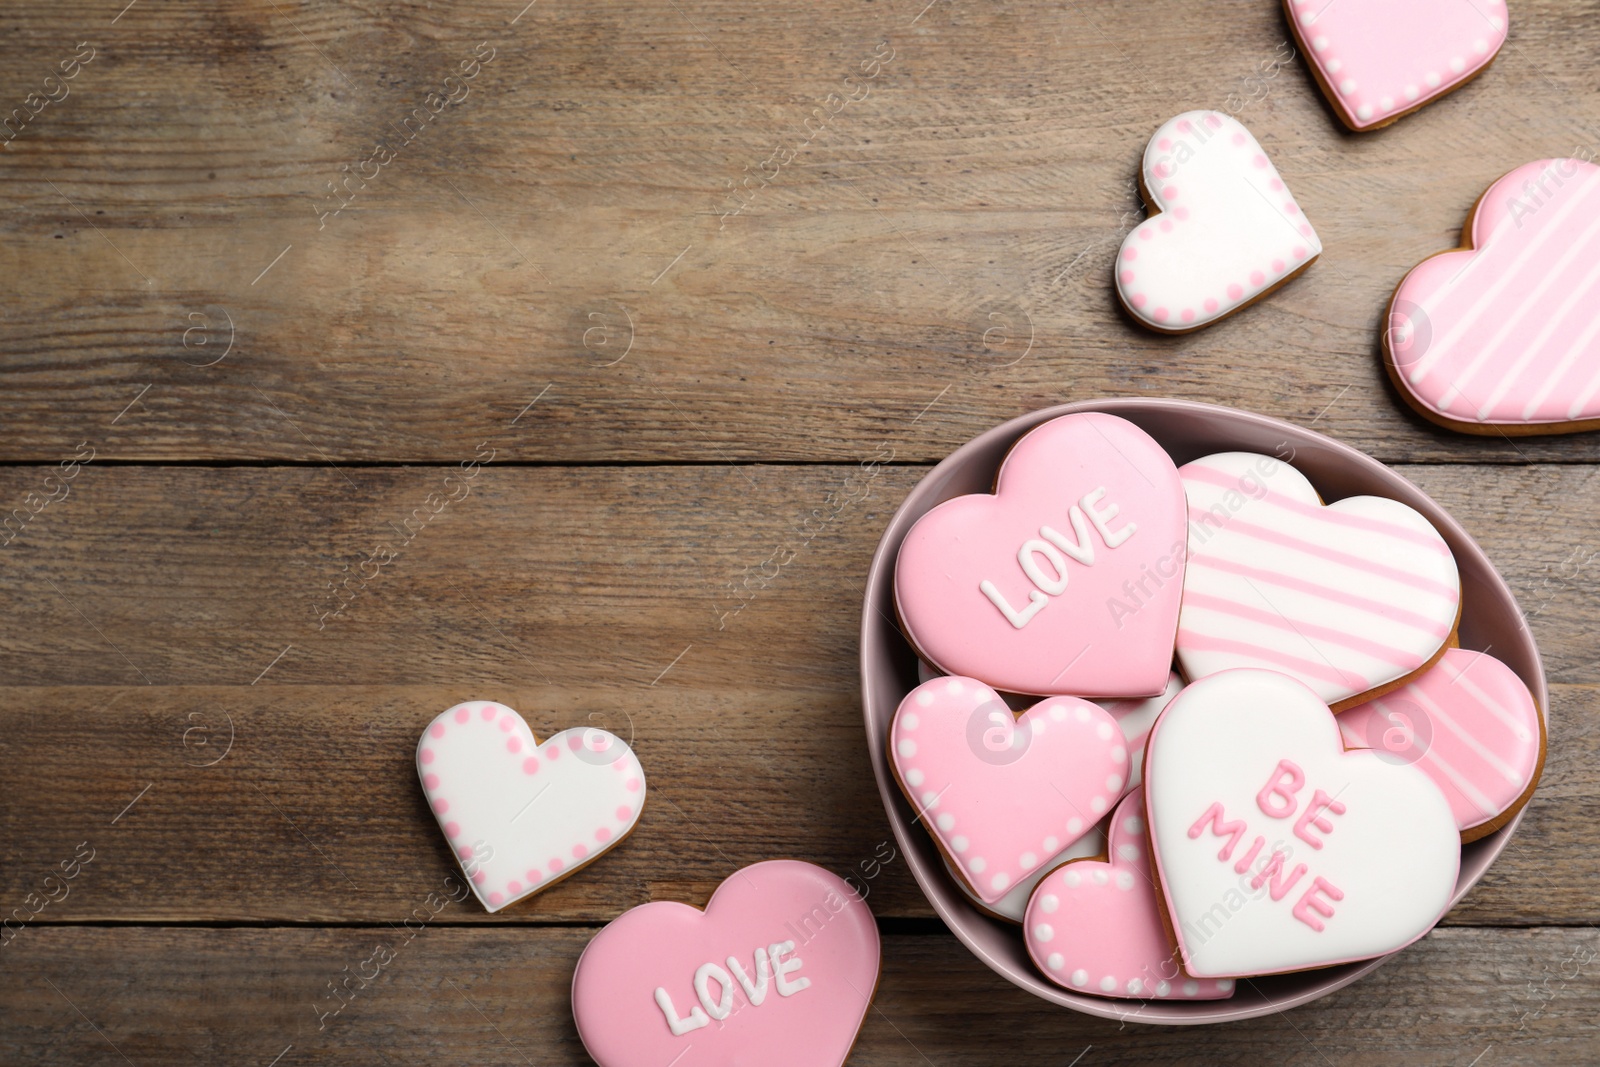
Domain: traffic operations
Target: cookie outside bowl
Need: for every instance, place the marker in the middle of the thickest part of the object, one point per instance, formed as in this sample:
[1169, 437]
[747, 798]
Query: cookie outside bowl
[1188, 430]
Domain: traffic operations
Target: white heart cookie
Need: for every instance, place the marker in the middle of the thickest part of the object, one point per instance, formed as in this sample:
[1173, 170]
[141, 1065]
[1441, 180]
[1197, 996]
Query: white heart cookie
[1277, 849]
[1223, 231]
[521, 815]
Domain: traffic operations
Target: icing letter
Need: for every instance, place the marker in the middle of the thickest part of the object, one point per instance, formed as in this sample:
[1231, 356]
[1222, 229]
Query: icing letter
[1234, 829]
[781, 968]
[679, 1027]
[706, 973]
[1083, 551]
[1312, 816]
[1102, 519]
[755, 991]
[1030, 566]
[1016, 618]
[1277, 796]
[1310, 902]
[1249, 857]
[1274, 870]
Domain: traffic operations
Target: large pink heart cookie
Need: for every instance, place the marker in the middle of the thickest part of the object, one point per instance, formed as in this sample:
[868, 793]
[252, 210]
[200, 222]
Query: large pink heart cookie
[1277, 849]
[1471, 725]
[1003, 793]
[1377, 60]
[1503, 336]
[1066, 580]
[1348, 598]
[778, 970]
[1095, 926]
[1224, 230]
[521, 815]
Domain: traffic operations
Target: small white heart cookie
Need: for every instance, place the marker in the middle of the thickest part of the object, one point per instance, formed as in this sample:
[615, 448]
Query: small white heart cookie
[521, 815]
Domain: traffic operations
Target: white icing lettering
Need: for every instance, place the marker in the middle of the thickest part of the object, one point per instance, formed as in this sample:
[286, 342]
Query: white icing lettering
[755, 992]
[679, 1027]
[1018, 619]
[782, 968]
[1083, 551]
[723, 1007]
[1102, 519]
[1030, 566]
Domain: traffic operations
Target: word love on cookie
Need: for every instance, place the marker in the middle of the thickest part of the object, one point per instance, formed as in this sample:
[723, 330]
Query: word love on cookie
[1066, 580]
[521, 815]
[1278, 850]
[779, 970]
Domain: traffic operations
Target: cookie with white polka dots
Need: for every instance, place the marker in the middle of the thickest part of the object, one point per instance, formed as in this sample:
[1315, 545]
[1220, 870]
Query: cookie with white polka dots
[1003, 793]
[1095, 926]
[1377, 60]
[521, 815]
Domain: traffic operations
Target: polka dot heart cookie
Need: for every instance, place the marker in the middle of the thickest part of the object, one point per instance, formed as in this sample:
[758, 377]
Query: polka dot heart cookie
[521, 815]
[1377, 60]
[1004, 793]
[1095, 926]
[1224, 230]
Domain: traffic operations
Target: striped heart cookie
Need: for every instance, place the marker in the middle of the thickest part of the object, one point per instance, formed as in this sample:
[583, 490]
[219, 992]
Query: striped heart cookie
[1377, 60]
[1350, 599]
[1503, 335]
[1471, 725]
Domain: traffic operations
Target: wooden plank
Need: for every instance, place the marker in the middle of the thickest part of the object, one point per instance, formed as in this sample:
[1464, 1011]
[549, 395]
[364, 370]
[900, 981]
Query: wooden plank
[453, 995]
[943, 245]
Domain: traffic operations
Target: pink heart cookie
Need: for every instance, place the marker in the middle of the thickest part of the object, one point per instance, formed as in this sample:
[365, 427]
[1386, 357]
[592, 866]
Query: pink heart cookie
[1095, 926]
[1277, 849]
[1377, 60]
[1471, 725]
[1067, 580]
[778, 970]
[1348, 598]
[1224, 230]
[1503, 336]
[1003, 793]
[521, 815]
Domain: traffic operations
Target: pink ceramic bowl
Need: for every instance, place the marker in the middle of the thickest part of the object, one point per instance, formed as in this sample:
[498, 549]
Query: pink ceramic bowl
[1490, 617]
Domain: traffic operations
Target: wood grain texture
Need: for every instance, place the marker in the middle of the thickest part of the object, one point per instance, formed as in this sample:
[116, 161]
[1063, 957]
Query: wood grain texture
[564, 229]
[454, 995]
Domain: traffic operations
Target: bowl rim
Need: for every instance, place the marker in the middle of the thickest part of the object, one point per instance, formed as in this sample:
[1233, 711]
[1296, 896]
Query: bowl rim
[959, 914]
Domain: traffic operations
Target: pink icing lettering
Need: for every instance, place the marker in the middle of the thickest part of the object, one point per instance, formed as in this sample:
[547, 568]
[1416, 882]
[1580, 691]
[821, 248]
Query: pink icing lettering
[1234, 830]
[1274, 870]
[1277, 797]
[1312, 817]
[1249, 857]
[1309, 902]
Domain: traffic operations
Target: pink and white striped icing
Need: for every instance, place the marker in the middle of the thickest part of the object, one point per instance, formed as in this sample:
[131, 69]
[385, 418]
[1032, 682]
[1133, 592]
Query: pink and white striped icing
[1095, 926]
[520, 814]
[1346, 598]
[1509, 331]
[1004, 793]
[1227, 229]
[1469, 722]
[1381, 58]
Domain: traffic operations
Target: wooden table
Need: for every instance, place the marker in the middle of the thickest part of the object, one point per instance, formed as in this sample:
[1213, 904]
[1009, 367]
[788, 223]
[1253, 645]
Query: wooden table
[671, 272]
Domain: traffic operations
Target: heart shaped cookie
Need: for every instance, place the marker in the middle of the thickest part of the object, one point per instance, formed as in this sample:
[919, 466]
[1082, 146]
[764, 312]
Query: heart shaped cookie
[1066, 580]
[1350, 599]
[778, 970]
[521, 815]
[1095, 926]
[1277, 849]
[1503, 336]
[1377, 60]
[1471, 725]
[1003, 793]
[1224, 230]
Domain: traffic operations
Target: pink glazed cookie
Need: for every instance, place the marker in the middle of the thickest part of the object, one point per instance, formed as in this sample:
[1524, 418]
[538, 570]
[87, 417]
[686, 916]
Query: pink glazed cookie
[1277, 849]
[1502, 336]
[1377, 60]
[1003, 793]
[1067, 579]
[778, 970]
[1095, 925]
[521, 815]
[1471, 725]
[1223, 232]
